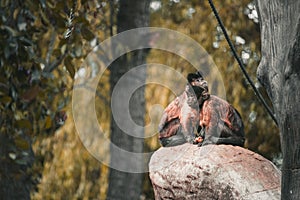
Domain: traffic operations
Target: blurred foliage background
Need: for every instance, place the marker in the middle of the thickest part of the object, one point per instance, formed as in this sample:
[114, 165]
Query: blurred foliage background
[43, 45]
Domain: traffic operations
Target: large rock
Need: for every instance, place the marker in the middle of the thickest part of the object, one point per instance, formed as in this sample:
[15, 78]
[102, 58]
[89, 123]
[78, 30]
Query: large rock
[213, 172]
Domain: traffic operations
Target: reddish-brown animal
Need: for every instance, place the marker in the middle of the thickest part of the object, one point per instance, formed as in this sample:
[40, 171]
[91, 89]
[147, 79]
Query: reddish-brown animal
[217, 121]
[180, 119]
[221, 123]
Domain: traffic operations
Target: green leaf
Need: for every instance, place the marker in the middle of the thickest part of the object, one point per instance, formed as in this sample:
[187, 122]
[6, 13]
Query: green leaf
[26, 42]
[21, 161]
[22, 143]
[5, 99]
[24, 123]
[87, 34]
[13, 32]
[31, 93]
[56, 53]
[50, 4]
[13, 156]
[81, 19]
[78, 49]
[44, 18]
[43, 3]
[69, 65]
[48, 122]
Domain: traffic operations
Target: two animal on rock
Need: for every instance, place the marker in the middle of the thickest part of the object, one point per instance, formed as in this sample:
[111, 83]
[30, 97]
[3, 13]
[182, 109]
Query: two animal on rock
[198, 117]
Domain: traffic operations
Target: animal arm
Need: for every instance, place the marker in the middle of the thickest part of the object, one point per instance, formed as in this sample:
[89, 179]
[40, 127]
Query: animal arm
[180, 119]
[221, 122]
[170, 113]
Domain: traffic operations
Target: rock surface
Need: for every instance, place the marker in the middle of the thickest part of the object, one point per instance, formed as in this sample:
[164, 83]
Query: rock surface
[213, 172]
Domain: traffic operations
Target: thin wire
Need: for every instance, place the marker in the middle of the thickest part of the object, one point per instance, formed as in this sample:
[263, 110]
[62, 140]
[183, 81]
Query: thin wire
[241, 65]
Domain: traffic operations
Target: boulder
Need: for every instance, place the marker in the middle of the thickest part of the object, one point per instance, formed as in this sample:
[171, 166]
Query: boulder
[213, 172]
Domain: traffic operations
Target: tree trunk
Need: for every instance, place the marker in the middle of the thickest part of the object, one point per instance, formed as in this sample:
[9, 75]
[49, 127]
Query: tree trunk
[126, 185]
[279, 72]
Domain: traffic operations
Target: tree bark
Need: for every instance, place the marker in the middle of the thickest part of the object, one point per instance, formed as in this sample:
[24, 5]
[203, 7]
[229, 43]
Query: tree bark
[126, 185]
[279, 72]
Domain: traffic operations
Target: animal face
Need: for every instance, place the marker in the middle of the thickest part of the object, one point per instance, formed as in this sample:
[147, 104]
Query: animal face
[196, 79]
[200, 82]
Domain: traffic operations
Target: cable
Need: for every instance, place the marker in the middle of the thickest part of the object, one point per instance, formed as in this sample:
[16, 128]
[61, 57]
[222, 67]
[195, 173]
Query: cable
[241, 65]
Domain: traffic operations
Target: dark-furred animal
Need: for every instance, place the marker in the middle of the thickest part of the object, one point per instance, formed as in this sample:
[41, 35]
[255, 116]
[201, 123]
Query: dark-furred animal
[180, 120]
[216, 121]
[220, 122]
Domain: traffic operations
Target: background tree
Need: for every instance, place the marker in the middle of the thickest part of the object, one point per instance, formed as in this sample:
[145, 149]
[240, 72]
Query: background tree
[37, 61]
[279, 72]
[131, 14]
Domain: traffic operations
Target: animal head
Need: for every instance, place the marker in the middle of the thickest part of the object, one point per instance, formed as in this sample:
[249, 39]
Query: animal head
[196, 79]
[199, 85]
